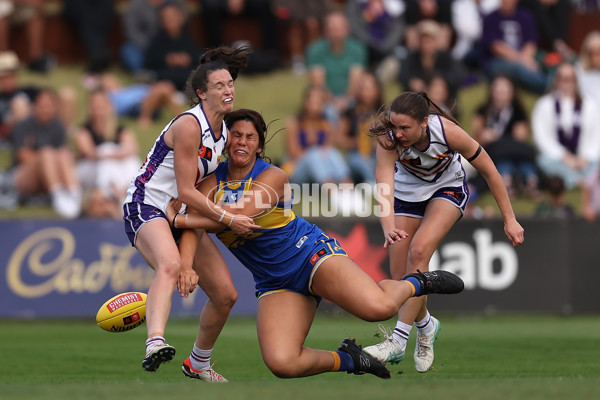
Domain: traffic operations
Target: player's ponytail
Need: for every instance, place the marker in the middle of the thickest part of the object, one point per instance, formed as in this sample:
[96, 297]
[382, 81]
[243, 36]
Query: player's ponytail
[416, 105]
[233, 59]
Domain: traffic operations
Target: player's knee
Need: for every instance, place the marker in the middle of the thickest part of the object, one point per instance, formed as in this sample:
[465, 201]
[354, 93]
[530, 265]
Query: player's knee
[169, 269]
[418, 254]
[282, 365]
[225, 298]
[380, 310]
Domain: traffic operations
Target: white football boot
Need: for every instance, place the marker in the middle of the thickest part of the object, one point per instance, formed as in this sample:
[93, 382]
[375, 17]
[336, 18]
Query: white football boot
[159, 354]
[387, 351]
[208, 375]
[424, 347]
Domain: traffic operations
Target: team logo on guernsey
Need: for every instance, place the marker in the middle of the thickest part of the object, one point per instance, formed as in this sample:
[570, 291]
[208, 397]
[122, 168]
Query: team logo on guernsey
[315, 257]
[413, 161]
[206, 153]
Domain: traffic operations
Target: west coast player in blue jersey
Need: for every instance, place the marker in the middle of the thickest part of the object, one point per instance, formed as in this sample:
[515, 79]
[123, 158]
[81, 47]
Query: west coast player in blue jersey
[419, 155]
[294, 263]
[187, 150]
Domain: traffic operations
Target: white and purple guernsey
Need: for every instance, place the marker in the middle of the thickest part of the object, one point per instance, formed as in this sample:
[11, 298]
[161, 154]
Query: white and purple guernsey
[155, 182]
[419, 174]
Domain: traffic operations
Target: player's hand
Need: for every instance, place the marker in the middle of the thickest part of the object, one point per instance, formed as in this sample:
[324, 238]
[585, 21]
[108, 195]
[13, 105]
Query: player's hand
[243, 225]
[187, 282]
[514, 232]
[394, 236]
[173, 208]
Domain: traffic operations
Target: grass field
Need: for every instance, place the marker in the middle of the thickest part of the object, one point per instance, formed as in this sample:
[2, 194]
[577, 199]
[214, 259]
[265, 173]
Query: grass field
[492, 357]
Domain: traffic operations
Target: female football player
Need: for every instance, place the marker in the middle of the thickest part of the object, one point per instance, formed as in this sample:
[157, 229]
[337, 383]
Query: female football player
[419, 156]
[294, 263]
[187, 150]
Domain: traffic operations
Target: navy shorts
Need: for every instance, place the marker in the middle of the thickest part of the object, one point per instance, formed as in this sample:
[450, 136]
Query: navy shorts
[136, 215]
[459, 196]
[299, 273]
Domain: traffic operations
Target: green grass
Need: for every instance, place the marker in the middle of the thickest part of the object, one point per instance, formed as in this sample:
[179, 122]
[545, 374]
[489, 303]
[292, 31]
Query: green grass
[499, 357]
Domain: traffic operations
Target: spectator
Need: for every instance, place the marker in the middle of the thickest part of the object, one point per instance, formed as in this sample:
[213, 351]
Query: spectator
[437, 10]
[310, 143]
[354, 134]
[588, 67]
[14, 99]
[141, 100]
[30, 14]
[93, 20]
[591, 196]
[109, 158]
[214, 12]
[427, 61]
[305, 21]
[140, 22]
[467, 23]
[500, 126]
[566, 130]
[172, 53]
[336, 62]
[509, 45]
[43, 162]
[438, 91]
[379, 25]
[552, 19]
[554, 205]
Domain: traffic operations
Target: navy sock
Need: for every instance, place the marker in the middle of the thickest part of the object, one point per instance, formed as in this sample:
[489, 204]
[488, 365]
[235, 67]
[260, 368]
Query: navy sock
[346, 362]
[416, 283]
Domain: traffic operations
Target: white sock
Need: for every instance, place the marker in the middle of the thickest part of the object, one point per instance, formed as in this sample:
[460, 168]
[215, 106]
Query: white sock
[200, 359]
[153, 341]
[401, 333]
[425, 326]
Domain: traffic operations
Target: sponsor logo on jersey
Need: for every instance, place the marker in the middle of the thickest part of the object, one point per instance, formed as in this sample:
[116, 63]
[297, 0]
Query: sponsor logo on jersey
[206, 153]
[315, 257]
[300, 242]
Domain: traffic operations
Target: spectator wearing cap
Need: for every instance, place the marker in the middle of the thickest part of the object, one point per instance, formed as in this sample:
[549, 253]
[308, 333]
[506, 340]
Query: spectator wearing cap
[14, 100]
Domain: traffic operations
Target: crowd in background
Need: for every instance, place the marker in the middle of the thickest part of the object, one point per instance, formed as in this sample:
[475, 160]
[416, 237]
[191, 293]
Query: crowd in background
[347, 50]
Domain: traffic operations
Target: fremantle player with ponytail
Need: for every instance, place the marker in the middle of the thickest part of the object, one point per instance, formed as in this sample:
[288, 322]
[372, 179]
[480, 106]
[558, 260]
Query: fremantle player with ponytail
[419, 162]
[187, 150]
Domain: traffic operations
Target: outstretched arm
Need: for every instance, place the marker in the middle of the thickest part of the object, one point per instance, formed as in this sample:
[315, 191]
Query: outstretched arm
[460, 141]
[384, 175]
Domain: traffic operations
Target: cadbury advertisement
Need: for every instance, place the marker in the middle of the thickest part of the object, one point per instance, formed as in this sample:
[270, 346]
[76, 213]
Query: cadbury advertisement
[69, 268]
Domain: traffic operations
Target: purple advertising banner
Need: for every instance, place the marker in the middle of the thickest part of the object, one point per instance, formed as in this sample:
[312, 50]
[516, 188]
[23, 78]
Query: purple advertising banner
[70, 268]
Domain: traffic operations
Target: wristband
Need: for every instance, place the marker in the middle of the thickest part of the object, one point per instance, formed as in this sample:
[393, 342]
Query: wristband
[175, 221]
[231, 222]
[222, 216]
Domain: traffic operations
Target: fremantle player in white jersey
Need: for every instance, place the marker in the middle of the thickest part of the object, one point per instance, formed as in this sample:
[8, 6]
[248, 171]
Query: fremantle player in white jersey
[419, 155]
[186, 151]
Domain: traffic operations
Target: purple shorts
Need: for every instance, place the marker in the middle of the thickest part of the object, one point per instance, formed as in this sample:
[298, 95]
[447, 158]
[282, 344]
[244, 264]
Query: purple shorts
[458, 196]
[136, 215]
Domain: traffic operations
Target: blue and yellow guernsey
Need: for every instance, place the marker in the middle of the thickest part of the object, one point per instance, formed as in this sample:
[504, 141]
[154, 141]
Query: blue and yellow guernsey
[286, 251]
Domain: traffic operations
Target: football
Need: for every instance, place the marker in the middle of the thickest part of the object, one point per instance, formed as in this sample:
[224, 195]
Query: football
[123, 312]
